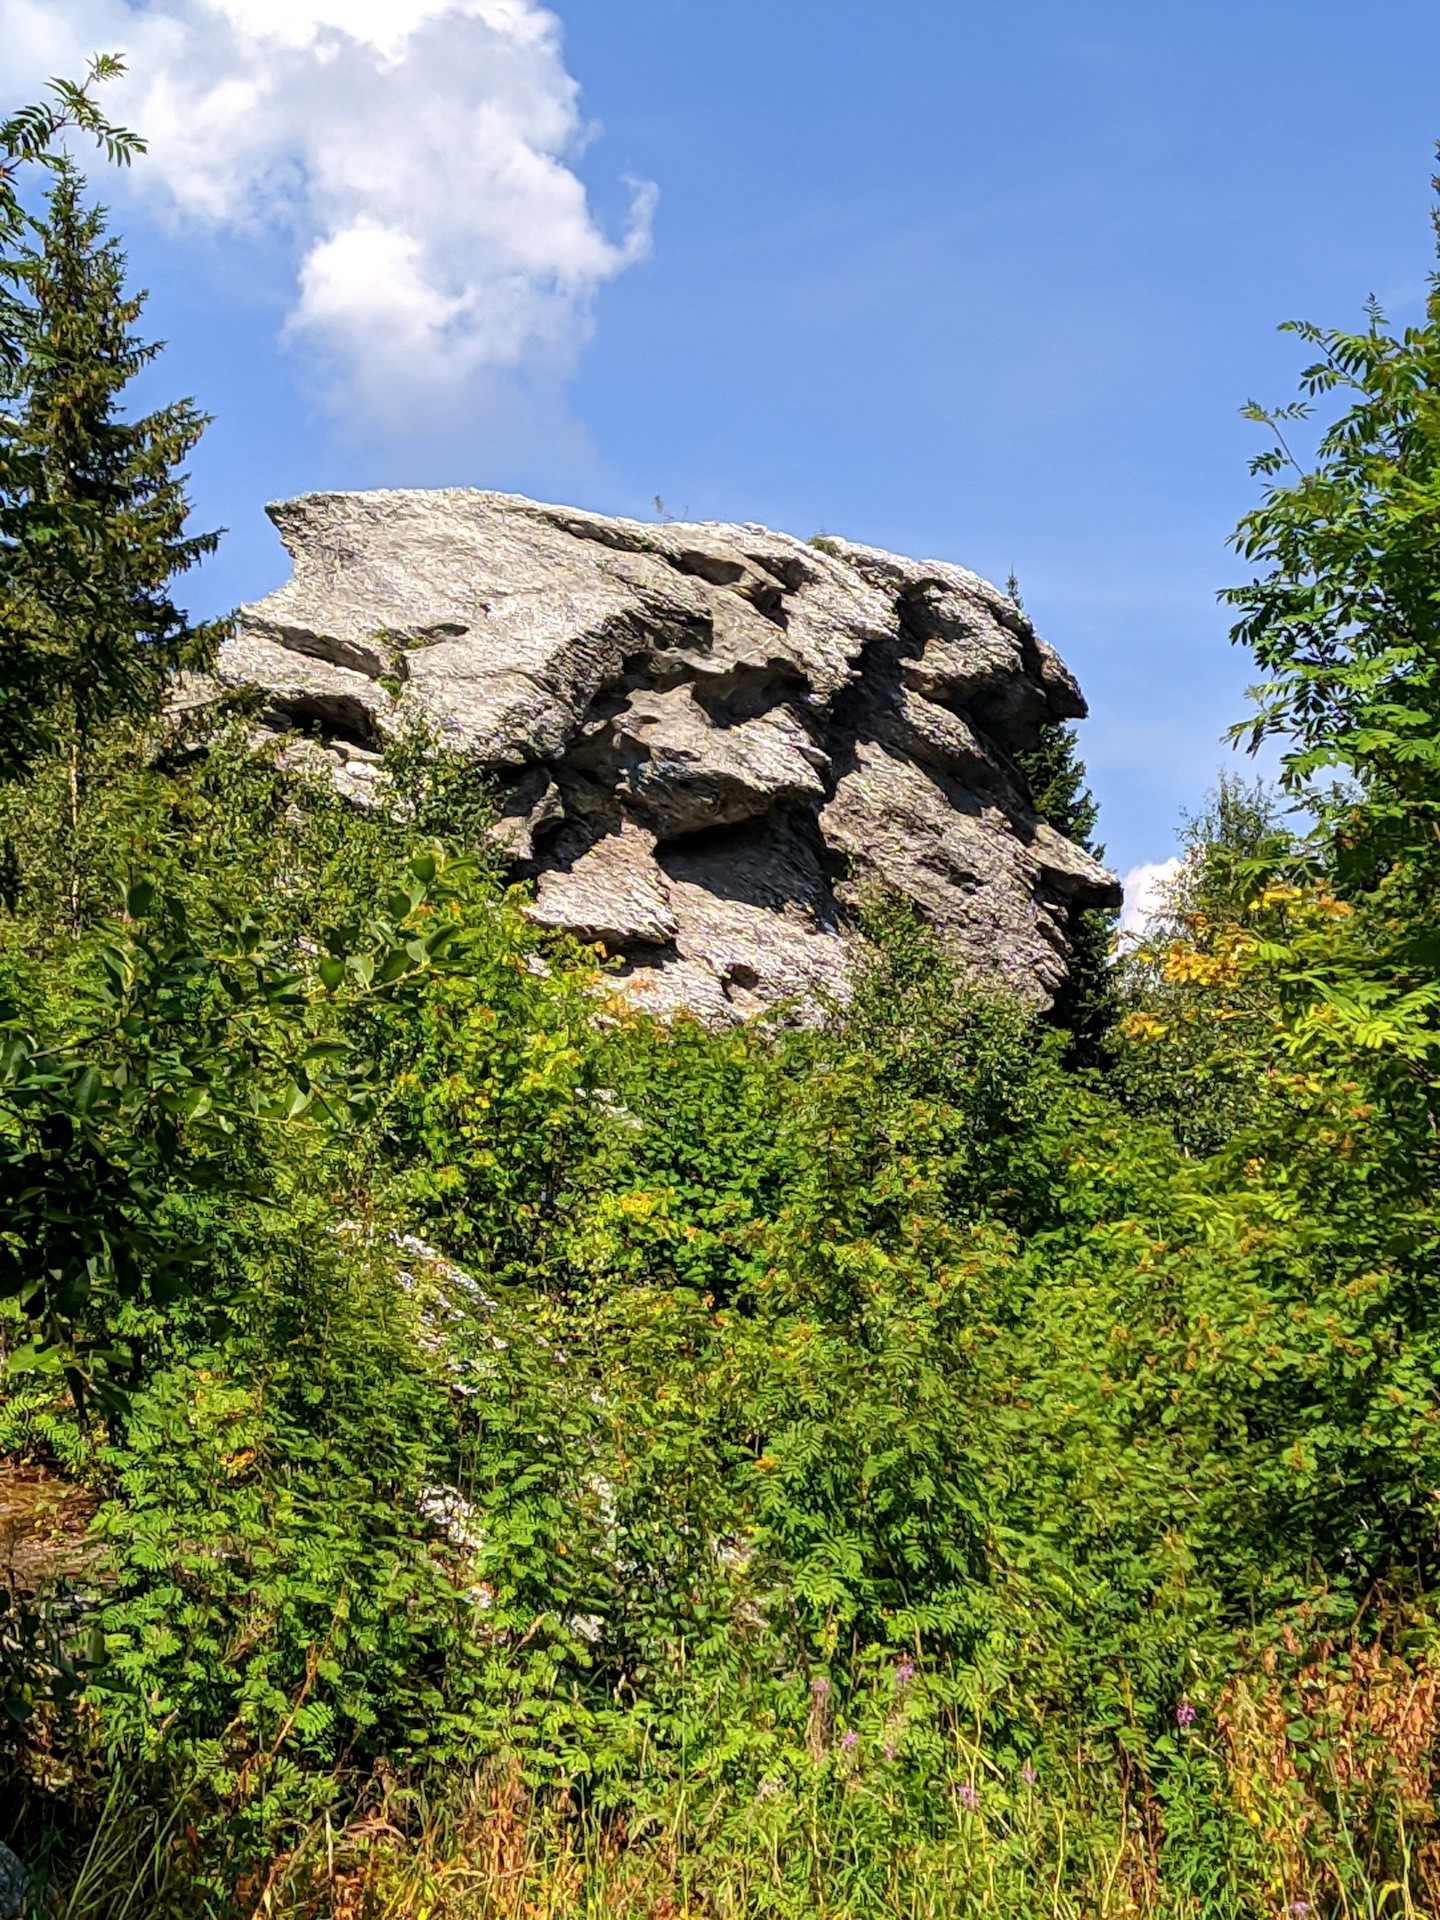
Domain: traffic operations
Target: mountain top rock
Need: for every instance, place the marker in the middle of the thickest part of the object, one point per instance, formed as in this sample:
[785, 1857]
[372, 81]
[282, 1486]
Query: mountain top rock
[707, 741]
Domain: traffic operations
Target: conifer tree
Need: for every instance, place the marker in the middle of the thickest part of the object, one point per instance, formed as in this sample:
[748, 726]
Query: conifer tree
[1086, 1004]
[92, 504]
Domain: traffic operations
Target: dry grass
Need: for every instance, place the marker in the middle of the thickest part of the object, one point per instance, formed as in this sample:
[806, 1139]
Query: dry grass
[1331, 1754]
[484, 1857]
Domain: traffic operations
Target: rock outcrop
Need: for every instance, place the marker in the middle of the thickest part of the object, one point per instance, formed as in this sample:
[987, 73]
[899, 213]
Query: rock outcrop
[707, 741]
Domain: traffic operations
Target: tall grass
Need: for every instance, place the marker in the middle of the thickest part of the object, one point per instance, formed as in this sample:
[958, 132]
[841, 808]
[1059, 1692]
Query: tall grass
[1306, 1793]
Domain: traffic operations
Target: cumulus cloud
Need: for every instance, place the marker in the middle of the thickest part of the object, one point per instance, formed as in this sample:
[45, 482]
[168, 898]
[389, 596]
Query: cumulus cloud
[1146, 895]
[416, 156]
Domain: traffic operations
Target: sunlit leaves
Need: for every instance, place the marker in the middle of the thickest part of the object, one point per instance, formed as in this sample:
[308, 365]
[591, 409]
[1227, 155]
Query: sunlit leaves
[192, 1035]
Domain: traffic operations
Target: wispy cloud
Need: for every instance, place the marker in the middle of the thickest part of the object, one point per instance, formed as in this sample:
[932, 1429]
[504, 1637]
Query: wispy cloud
[416, 157]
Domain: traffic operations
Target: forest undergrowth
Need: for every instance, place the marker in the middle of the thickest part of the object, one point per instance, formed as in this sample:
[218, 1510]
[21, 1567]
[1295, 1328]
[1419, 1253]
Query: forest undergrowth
[468, 1449]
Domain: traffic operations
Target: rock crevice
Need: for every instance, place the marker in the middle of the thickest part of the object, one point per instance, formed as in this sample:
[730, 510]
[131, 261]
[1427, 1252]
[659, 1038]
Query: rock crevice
[707, 741]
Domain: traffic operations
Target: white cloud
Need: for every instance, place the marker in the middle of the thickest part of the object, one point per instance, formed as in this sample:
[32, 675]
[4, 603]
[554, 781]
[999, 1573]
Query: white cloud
[414, 154]
[1146, 895]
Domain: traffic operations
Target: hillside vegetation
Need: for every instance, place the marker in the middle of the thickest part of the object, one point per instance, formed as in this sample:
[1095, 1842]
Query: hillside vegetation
[506, 1456]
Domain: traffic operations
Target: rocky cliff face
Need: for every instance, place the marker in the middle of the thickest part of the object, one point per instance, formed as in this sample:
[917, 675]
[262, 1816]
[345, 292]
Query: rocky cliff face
[707, 740]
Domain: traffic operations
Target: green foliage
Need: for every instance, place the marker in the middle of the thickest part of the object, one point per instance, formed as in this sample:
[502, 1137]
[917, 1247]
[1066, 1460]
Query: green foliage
[328, 1568]
[490, 1090]
[1055, 775]
[785, 1441]
[187, 1038]
[1199, 1060]
[92, 512]
[1085, 1004]
[1346, 620]
[1346, 624]
[559, 1461]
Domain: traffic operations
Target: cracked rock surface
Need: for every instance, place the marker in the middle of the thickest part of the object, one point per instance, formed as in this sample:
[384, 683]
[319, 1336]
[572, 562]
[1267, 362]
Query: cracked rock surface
[707, 741]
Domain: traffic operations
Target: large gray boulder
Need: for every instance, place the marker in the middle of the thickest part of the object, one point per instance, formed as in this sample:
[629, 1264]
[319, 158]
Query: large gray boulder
[707, 741]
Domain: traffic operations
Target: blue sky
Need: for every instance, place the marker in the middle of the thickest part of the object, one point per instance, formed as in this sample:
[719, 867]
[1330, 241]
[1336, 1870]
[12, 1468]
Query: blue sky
[982, 281]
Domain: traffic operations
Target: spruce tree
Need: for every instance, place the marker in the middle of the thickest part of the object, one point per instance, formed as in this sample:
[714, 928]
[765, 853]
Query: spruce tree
[1085, 1003]
[92, 504]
